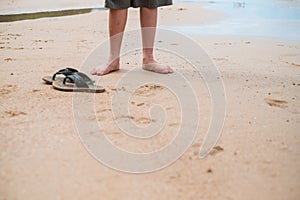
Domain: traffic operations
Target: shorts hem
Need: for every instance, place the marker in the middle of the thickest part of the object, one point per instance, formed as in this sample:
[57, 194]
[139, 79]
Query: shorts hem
[136, 6]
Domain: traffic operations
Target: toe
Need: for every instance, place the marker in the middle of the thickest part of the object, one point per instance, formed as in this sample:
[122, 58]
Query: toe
[100, 73]
[168, 70]
[94, 72]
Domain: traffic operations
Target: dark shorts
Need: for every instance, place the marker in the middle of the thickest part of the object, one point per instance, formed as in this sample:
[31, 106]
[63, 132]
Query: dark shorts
[120, 4]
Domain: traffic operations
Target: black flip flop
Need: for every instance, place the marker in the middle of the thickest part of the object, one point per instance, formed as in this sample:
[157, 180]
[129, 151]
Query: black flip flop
[67, 71]
[78, 82]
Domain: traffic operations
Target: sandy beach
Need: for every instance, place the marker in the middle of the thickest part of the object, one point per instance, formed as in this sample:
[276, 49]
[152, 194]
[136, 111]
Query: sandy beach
[42, 156]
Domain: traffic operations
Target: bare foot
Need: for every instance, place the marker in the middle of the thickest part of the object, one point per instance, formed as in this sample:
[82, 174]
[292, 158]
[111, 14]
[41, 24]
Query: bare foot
[157, 67]
[106, 69]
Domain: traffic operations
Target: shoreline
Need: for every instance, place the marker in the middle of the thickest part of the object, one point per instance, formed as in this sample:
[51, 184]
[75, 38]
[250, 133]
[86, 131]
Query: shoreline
[27, 6]
[45, 10]
[46, 14]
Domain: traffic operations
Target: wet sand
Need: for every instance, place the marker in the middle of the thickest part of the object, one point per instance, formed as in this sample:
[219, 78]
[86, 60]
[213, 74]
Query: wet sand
[42, 157]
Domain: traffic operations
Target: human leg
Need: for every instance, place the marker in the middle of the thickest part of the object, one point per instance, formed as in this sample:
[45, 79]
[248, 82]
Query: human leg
[148, 21]
[117, 23]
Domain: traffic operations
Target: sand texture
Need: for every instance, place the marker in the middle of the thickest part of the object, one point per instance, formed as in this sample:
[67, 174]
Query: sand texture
[42, 157]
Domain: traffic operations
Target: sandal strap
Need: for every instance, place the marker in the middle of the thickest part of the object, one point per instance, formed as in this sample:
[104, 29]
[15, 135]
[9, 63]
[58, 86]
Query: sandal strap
[86, 78]
[80, 80]
[67, 71]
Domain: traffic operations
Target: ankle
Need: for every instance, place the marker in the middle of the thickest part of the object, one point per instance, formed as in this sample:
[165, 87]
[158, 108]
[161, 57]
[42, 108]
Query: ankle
[147, 60]
[113, 60]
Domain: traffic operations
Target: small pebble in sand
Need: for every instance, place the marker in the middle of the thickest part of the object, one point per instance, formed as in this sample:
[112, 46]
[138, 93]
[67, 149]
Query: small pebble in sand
[209, 170]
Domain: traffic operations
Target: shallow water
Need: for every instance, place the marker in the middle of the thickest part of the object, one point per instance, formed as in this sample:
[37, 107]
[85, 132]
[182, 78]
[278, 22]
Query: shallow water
[267, 18]
[38, 15]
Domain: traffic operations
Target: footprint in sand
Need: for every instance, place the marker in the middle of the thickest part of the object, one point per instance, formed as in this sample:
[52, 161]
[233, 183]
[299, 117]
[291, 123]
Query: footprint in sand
[9, 59]
[104, 110]
[14, 113]
[276, 103]
[174, 124]
[291, 59]
[144, 120]
[147, 90]
[220, 59]
[152, 87]
[216, 150]
[14, 34]
[7, 89]
[140, 104]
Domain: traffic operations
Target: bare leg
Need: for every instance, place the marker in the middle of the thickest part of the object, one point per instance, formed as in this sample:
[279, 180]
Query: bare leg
[117, 23]
[148, 25]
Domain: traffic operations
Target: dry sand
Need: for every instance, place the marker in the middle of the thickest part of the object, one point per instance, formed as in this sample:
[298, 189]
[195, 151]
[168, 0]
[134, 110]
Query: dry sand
[42, 157]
